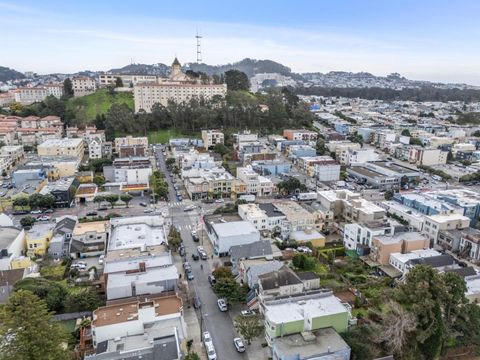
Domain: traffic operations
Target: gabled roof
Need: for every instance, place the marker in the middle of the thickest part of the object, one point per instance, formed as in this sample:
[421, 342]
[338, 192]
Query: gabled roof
[257, 249]
[434, 261]
[65, 226]
[283, 277]
[176, 62]
[463, 271]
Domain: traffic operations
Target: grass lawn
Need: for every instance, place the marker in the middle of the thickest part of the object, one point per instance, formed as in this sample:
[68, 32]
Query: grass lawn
[87, 107]
[162, 136]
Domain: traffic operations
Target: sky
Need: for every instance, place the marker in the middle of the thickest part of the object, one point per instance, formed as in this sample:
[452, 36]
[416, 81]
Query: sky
[420, 39]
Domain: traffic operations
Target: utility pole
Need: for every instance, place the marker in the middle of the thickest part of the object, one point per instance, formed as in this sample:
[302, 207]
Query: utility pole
[199, 49]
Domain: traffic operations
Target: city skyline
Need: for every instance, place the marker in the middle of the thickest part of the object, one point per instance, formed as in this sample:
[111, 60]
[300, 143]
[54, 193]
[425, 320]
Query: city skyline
[421, 41]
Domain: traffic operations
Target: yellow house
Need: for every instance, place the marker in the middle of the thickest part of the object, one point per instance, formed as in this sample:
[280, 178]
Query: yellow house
[38, 238]
[21, 262]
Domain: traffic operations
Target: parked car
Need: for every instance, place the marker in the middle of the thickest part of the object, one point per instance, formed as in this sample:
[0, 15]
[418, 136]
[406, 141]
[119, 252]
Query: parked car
[195, 257]
[212, 280]
[148, 211]
[143, 204]
[189, 275]
[219, 201]
[101, 259]
[239, 345]
[197, 304]
[247, 313]
[222, 305]
[43, 218]
[211, 354]
[91, 213]
[36, 211]
[206, 337]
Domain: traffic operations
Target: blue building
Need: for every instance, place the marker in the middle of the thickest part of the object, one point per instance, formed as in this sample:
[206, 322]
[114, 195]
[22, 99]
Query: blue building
[298, 151]
[272, 167]
[342, 128]
[286, 143]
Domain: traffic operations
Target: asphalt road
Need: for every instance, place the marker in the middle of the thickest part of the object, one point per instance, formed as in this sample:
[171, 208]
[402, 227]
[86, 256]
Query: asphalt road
[211, 319]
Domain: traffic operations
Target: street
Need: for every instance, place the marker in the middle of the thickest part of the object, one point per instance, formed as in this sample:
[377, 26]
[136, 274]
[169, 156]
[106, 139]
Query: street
[211, 319]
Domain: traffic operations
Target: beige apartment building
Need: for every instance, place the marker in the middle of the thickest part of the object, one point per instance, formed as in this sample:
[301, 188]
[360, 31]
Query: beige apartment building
[130, 141]
[62, 147]
[211, 138]
[178, 88]
[83, 85]
[405, 242]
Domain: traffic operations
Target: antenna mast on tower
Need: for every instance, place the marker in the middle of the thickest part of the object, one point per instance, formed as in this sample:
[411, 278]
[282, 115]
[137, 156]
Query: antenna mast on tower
[199, 49]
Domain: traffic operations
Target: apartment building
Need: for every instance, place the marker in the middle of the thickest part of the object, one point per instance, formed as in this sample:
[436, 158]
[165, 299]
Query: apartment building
[404, 262]
[146, 270]
[339, 146]
[129, 171]
[357, 156]
[433, 224]
[465, 242]
[425, 156]
[83, 85]
[256, 184]
[211, 138]
[265, 217]
[359, 236]
[38, 238]
[139, 327]
[300, 134]
[30, 95]
[89, 239]
[178, 88]
[403, 242]
[62, 147]
[325, 165]
[128, 80]
[298, 218]
[296, 314]
[130, 141]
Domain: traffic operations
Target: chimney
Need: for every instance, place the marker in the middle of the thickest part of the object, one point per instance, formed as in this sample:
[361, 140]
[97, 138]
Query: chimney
[142, 266]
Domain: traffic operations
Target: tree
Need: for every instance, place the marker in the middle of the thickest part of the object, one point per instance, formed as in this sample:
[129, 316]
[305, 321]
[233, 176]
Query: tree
[222, 272]
[119, 118]
[82, 300]
[389, 194]
[231, 290]
[118, 82]
[290, 186]
[249, 327]
[99, 180]
[395, 328]
[236, 80]
[126, 198]
[21, 201]
[53, 293]
[174, 238]
[99, 199]
[415, 141]
[406, 132]
[67, 88]
[27, 221]
[112, 199]
[28, 331]
[170, 162]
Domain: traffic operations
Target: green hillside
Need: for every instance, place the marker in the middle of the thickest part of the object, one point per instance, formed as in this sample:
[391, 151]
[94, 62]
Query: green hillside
[83, 110]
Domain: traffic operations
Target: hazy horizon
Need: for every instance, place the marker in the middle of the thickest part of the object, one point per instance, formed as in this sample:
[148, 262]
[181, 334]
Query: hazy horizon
[420, 40]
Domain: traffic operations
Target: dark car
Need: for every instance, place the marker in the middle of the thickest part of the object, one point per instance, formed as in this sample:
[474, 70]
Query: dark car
[197, 304]
[92, 213]
[195, 257]
[212, 280]
[143, 204]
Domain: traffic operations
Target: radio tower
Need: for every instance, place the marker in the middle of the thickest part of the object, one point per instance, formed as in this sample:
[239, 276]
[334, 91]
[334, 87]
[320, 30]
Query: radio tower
[199, 49]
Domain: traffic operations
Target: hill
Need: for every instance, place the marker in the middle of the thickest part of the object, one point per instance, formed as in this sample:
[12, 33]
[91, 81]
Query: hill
[248, 66]
[143, 69]
[7, 74]
[83, 110]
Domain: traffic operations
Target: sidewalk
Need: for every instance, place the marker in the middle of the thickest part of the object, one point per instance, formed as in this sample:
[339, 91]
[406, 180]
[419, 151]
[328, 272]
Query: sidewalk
[193, 331]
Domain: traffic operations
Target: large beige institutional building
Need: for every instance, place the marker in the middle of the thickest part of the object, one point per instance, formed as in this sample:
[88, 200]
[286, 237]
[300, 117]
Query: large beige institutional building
[178, 87]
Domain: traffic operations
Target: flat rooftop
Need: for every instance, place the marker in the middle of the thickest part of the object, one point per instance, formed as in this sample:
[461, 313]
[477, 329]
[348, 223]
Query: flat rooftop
[293, 310]
[39, 230]
[136, 232]
[402, 236]
[417, 254]
[94, 226]
[128, 311]
[309, 345]
[473, 285]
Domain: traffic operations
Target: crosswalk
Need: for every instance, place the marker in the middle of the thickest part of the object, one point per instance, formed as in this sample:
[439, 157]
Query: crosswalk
[175, 204]
[186, 227]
